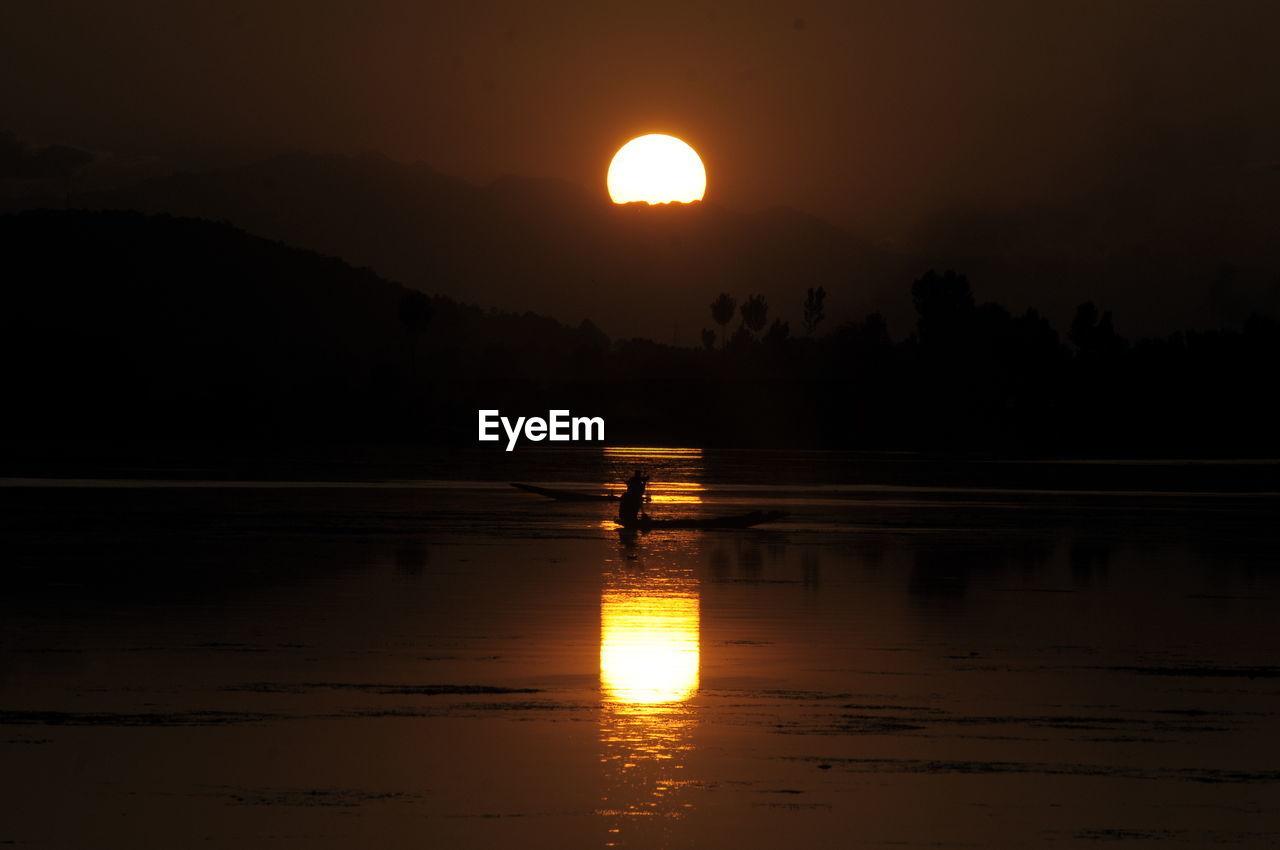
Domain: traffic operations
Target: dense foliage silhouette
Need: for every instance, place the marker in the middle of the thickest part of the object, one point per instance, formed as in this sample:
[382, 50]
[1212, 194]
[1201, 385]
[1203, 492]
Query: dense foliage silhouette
[124, 326]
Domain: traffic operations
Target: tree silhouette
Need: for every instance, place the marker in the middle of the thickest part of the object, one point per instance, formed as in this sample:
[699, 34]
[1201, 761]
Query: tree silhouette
[740, 340]
[708, 339]
[945, 307]
[91, 318]
[814, 311]
[722, 310]
[1093, 335]
[755, 312]
[778, 332]
[871, 333]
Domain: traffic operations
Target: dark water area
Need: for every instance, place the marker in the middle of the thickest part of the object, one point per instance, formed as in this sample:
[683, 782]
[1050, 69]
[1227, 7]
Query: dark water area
[407, 652]
[295, 461]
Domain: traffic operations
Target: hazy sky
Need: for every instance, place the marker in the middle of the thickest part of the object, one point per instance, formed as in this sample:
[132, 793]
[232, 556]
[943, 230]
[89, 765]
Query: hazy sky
[877, 115]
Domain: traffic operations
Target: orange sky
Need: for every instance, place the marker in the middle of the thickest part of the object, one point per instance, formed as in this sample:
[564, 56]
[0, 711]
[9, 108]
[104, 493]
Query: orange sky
[876, 115]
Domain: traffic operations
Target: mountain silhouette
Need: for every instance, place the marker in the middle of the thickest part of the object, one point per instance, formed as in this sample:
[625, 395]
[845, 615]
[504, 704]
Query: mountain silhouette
[121, 325]
[524, 244]
[124, 327]
[554, 247]
[1163, 251]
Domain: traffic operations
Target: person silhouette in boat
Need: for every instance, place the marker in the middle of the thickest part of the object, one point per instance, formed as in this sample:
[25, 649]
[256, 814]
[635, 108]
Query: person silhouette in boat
[629, 504]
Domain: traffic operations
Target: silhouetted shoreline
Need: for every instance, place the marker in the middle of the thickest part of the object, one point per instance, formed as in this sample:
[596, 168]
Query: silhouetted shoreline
[62, 461]
[126, 328]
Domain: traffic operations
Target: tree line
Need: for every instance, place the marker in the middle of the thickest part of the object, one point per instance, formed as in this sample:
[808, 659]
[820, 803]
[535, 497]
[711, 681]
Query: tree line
[120, 326]
[971, 376]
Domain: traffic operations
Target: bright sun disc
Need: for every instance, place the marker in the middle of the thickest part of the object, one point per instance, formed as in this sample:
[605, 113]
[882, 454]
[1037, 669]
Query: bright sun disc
[656, 169]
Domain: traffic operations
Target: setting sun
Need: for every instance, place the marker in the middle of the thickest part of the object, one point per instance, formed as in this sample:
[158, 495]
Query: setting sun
[656, 169]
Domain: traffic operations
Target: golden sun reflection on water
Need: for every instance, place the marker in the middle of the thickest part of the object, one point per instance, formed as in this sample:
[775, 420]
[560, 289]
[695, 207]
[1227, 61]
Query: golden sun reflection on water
[676, 472]
[667, 492]
[651, 452]
[650, 656]
[649, 641]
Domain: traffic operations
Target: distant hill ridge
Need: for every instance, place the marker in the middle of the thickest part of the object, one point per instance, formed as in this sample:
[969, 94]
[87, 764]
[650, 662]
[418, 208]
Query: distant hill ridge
[532, 244]
[557, 248]
[127, 328]
[164, 325]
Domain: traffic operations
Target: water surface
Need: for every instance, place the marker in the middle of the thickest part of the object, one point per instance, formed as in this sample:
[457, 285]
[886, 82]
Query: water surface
[447, 662]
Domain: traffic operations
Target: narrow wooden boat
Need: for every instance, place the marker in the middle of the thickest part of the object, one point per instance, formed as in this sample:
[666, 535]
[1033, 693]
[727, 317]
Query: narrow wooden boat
[736, 521]
[564, 495]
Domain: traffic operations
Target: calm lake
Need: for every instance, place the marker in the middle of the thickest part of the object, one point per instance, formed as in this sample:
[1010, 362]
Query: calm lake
[919, 655]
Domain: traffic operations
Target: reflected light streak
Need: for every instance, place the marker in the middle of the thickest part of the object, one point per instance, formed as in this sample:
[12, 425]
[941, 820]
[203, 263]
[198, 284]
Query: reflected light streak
[650, 659]
[667, 492]
[649, 642]
[650, 452]
[677, 472]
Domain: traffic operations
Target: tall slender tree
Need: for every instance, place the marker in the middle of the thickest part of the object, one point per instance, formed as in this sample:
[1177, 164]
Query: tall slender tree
[722, 310]
[755, 312]
[814, 309]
